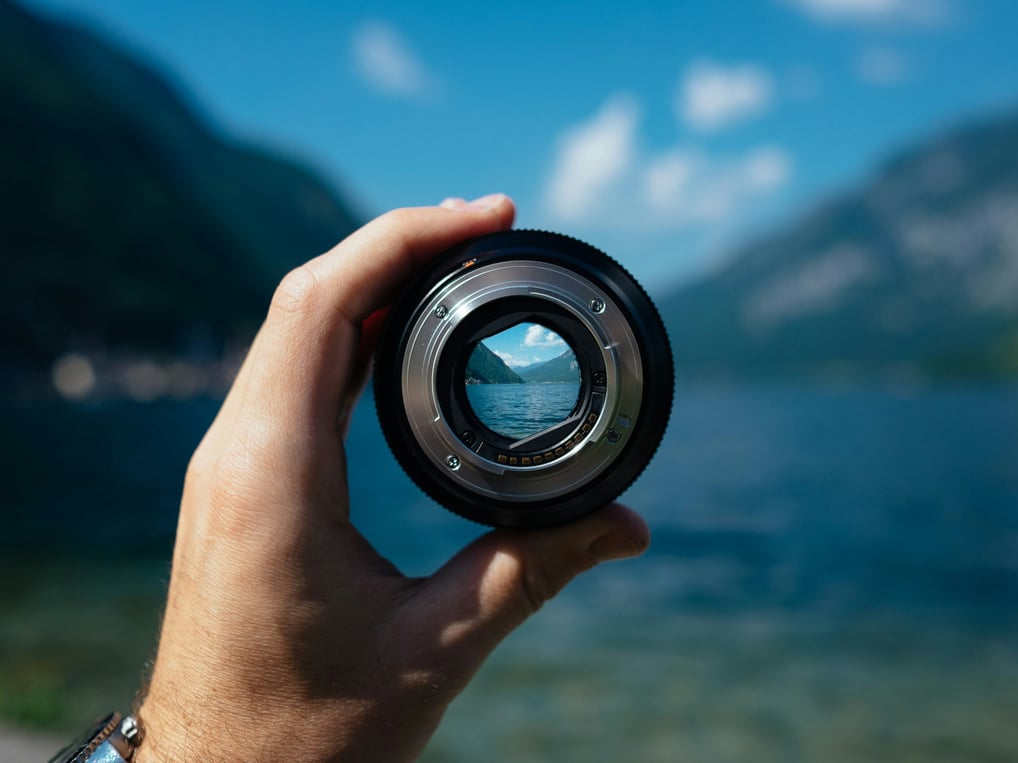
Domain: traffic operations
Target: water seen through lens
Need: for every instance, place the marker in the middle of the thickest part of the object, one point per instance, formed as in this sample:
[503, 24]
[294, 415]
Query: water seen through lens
[520, 410]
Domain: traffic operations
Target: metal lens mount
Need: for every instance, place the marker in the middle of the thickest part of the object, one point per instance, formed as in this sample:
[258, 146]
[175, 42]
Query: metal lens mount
[479, 289]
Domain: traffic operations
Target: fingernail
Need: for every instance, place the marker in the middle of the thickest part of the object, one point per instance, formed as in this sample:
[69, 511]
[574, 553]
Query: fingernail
[482, 204]
[616, 546]
[490, 201]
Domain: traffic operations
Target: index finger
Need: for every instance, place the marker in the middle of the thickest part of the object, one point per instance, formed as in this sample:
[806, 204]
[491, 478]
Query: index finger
[304, 355]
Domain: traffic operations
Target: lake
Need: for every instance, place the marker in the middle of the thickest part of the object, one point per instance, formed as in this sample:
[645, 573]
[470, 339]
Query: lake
[520, 410]
[833, 576]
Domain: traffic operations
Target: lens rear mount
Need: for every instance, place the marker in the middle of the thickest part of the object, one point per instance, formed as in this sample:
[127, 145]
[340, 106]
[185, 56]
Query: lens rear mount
[477, 290]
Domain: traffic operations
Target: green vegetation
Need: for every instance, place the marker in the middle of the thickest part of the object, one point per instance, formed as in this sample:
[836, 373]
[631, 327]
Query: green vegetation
[485, 367]
[128, 221]
[52, 676]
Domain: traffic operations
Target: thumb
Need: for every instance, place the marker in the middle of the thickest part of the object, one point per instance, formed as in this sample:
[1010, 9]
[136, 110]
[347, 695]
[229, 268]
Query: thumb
[495, 583]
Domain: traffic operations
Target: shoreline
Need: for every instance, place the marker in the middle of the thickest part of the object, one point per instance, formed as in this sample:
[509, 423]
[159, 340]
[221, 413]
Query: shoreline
[18, 745]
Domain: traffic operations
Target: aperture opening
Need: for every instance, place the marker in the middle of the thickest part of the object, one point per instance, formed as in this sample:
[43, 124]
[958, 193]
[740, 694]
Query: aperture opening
[457, 398]
[523, 380]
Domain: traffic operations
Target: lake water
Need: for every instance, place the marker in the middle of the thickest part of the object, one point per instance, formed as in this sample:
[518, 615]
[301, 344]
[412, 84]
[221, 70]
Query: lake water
[833, 576]
[520, 410]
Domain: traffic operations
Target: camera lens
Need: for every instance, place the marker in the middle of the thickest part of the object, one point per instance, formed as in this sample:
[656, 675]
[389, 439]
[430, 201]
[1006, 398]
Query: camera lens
[523, 379]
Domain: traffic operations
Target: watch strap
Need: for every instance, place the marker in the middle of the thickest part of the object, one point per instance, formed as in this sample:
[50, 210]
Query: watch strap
[106, 753]
[111, 740]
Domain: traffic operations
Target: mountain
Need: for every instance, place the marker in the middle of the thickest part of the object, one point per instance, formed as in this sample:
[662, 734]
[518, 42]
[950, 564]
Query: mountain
[126, 219]
[564, 368]
[485, 367]
[914, 273]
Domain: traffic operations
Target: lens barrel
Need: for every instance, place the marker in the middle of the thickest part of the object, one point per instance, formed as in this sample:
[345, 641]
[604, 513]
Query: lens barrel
[488, 285]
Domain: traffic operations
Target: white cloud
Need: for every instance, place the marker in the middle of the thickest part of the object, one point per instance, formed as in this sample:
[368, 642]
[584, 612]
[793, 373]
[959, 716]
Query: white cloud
[874, 11]
[882, 66]
[679, 187]
[712, 97]
[670, 175]
[539, 336]
[516, 361]
[685, 187]
[387, 63]
[592, 156]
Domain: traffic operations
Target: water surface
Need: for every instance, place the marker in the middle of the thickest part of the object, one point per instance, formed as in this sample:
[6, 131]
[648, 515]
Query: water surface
[520, 410]
[833, 576]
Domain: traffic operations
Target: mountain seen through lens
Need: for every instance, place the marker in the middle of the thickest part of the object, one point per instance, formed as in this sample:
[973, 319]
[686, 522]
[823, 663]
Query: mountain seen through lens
[522, 380]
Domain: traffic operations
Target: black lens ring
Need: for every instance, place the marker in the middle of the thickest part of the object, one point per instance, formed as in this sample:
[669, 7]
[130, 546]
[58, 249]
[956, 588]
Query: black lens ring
[631, 300]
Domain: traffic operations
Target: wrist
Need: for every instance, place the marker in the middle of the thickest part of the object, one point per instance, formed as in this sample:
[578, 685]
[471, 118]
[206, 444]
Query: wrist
[169, 736]
[198, 730]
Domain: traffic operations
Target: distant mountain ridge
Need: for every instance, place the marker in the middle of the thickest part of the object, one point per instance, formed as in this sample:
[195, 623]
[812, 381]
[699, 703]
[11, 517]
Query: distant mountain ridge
[127, 220]
[915, 273]
[485, 367]
[564, 368]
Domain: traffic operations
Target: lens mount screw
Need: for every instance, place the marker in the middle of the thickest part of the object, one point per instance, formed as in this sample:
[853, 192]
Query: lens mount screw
[468, 437]
[597, 306]
[441, 311]
[452, 462]
[599, 379]
[613, 436]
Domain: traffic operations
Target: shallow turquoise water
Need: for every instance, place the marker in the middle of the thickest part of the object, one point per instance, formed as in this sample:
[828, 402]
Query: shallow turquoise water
[833, 576]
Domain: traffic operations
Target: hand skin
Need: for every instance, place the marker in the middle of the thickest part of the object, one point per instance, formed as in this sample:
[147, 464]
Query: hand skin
[286, 636]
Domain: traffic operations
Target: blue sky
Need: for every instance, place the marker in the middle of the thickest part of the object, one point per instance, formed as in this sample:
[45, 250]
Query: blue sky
[663, 133]
[525, 344]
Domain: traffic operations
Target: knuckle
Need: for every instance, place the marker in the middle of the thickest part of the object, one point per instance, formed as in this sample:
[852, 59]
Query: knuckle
[199, 468]
[197, 464]
[536, 587]
[522, 580]
[541, 579]
[426, 686]
[195, 473]
[297, 291]
[233, 494]
[397, 219]
[397, 225]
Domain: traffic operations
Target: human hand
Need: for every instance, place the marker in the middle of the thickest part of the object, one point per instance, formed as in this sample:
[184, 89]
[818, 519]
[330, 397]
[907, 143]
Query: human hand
[286, 636]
